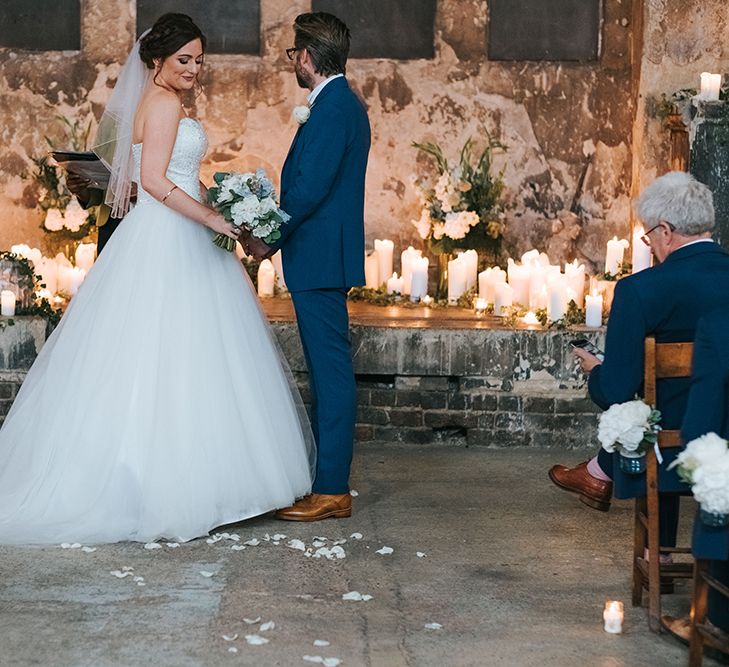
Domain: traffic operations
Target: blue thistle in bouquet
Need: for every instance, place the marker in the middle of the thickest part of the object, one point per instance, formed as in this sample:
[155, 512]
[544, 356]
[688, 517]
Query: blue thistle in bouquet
[247, 200]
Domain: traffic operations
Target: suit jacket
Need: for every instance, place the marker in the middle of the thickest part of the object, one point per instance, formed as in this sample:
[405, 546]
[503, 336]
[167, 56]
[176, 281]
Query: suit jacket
[708, 411]
[666, 301]
[322, 189]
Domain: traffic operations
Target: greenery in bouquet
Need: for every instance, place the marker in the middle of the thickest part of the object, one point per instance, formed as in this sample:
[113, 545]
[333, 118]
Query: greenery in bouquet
[704, 464]
[63, 214]
[629, 428]
[463, 207]
[247, 200]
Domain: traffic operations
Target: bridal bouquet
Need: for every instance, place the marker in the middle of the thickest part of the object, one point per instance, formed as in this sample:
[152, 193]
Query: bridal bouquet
[629, 428]
[705, 465]
[247, 200]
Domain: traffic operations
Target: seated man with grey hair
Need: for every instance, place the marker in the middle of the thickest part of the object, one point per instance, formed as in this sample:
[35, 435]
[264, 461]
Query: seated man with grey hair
[666, 301]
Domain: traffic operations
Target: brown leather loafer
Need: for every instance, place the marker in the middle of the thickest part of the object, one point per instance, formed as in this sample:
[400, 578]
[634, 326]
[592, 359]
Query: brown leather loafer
[678, 626]
[318, 506]
[595, 493]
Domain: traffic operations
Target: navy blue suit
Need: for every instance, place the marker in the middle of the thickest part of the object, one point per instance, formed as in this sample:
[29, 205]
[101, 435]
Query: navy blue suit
[708, 411]
[667, 302]
[322, 189]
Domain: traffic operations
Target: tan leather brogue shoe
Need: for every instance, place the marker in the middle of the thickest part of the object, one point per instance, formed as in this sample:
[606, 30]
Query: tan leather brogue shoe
[595, 493]
[318, 506]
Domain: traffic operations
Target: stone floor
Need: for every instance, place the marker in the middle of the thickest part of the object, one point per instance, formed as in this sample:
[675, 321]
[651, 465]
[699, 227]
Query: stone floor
[516, 572]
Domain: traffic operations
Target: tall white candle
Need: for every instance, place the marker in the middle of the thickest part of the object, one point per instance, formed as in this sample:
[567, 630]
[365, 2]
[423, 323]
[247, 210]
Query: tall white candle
[47, 269]
[7, 303]
[470, 257]
[394, 284]
[419, 278]
[266, 278]
[614, 255]
[575, 273]
[384, 250]
[487, 281]
[23, 250]
[710, 86]
[406, 264]
[593, 310]
[520, 279]
[277, 261]
[76, 277]
[372, 270]
[85, 255]
[641, 257]
[457, 279]
[557, 298]
[503, 298]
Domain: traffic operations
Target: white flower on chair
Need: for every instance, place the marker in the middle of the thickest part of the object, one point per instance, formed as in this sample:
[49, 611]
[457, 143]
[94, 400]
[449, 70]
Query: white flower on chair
[627, 426]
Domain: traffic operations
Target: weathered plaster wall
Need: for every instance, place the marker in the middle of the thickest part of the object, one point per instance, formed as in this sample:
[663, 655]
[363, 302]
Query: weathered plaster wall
[681, 39]
[561, 121]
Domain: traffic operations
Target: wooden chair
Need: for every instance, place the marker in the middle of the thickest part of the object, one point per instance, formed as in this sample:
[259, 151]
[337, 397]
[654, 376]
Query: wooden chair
[662, 361]
[703, 634]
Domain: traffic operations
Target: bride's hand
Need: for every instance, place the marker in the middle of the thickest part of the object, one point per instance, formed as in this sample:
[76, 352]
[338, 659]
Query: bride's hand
[219, 224]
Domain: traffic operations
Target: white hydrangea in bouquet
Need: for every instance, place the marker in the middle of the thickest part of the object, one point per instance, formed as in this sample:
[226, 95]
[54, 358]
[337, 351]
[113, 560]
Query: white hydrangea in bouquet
[629, 428]
[247, 200]
[462, 208]
[704, 464]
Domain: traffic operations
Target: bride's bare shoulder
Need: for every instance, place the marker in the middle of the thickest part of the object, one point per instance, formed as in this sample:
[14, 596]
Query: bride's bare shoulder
[161, 107]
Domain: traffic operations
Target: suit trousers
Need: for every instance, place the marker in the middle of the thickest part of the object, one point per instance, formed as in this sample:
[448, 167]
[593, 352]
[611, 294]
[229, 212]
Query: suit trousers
[105, 232]
[323, 323]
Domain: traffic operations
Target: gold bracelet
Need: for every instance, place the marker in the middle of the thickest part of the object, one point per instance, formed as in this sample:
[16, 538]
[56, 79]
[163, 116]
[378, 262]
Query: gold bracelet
[169, 193]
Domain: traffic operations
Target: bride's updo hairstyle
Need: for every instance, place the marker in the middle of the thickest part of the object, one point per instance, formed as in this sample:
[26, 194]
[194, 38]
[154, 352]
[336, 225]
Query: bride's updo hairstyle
[168, 35]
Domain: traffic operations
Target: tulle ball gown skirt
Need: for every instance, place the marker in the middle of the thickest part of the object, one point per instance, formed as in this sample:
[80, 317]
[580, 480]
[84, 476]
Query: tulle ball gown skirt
[159, 407]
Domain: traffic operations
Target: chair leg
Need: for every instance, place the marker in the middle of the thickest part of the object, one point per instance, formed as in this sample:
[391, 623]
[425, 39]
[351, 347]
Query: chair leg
[699, 604]
[654, 547]
[638, 551]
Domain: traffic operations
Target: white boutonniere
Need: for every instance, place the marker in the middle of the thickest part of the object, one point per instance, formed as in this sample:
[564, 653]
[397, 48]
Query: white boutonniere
[301, 114]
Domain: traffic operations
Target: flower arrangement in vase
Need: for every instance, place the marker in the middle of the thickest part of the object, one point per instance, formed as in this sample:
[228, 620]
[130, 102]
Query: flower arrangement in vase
[629, 429]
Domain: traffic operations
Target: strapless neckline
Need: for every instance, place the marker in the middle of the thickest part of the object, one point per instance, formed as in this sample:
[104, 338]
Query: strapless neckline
[194, 120]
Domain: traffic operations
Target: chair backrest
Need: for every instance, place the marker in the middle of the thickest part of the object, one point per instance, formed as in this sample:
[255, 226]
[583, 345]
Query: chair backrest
[664, 361]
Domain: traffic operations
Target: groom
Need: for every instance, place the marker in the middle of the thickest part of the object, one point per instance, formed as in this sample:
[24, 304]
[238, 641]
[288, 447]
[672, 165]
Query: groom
[322, 189]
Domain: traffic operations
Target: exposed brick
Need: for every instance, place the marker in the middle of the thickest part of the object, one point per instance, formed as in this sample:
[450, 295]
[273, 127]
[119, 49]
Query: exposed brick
[424, 383]
[486, 420]
[509, 403]
[450, 419]
[382, 397]
[459, 401]
[433, 400]
[364, 433]
[407, 398]
[466, 383]
[363, 396]
[480, 437]
[5, 407]
[406, 417]
[511, 438]
[369, 415]
[7, 390]
[484, 402]
[509, 420]
[419, 436]
[539, 404]
[570, 405]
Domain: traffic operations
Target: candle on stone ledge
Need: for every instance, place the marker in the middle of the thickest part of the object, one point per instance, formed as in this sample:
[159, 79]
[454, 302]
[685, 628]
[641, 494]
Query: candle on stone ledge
[614, 255]
[641, 257]
[504, 298]
[530, 318]
[575, 273]
[419, 278]
[427, 300]
[593, 310]
[557, 301]
[394, 284]
[85, 255]
[7, 303]
[76, 277]
[372, 270]
[407, 257]
[710, 86]
[612, 617]
[266, 278]
[384, 248]
[520, 279]
[470, 258]
[487, 282]
[457, 279]
[480, 305]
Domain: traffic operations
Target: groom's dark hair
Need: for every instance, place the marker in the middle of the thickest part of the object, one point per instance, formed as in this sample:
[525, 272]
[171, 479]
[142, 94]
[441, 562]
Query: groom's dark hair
[326, 38]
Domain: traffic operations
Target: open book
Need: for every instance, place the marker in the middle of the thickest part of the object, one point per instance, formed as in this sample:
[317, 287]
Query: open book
[85, 164]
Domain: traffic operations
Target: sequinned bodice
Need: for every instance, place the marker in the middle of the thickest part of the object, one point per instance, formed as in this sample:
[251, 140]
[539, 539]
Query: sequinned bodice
[184, 167]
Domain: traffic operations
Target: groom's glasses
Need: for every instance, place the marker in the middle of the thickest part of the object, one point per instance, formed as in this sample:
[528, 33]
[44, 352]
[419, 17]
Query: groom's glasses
[290, 52]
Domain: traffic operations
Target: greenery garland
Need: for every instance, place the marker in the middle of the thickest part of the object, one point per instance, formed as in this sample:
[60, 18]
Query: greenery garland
[40, 307]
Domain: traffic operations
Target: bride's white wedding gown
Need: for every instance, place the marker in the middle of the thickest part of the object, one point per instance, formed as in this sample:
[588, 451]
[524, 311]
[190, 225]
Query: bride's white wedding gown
[159, 407]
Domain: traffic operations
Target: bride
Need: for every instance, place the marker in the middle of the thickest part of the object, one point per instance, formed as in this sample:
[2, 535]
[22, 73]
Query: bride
[160, 406]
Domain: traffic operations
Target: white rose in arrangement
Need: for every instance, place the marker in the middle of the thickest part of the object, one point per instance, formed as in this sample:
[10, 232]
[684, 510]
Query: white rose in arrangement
[244, 211]
[266, 207]
[438, 231]
[454, 227]
[704, 451]
[423, 225]
[74, 216]
[624, 426]
[711, 486]
[262, 231]
[301, 114]
[54, 220]
[470, 218]
[225, 195]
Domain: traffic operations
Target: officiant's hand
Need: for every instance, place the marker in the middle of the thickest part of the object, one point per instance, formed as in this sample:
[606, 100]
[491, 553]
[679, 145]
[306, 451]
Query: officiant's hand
[587, 361]
[79, 186]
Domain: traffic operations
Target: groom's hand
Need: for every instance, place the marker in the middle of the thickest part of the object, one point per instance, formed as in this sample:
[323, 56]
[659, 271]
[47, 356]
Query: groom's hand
[254, 246]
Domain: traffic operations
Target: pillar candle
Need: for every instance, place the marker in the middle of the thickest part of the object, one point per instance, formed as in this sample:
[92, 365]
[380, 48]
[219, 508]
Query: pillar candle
[537, 282]
[539, 300]
[85, 254]
[614, 255]
[394, 284]
[575, 273]
[419, 278]
[47, 269]
[384, 250]
[266, 278]
[503, 298]
[593, 310]
[7, 303]
[487, 282]
[642, 255]
[519, 279]
[612, 617]
[406, 266]
[710, 86]
[23, 250]
[372, 270]
[76, 277]
[470, 257]
[457, 279]
[277, 261]
[557, 298]
[531, 256]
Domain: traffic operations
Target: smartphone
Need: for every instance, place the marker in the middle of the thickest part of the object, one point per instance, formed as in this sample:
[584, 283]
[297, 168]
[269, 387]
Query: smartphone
[586, 345]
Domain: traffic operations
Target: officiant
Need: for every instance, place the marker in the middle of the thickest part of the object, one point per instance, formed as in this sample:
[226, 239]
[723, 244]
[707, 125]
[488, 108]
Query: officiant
[90, 197]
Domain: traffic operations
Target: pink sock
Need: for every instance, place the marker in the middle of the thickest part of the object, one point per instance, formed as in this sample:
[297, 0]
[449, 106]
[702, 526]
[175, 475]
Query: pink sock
[593, 467]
